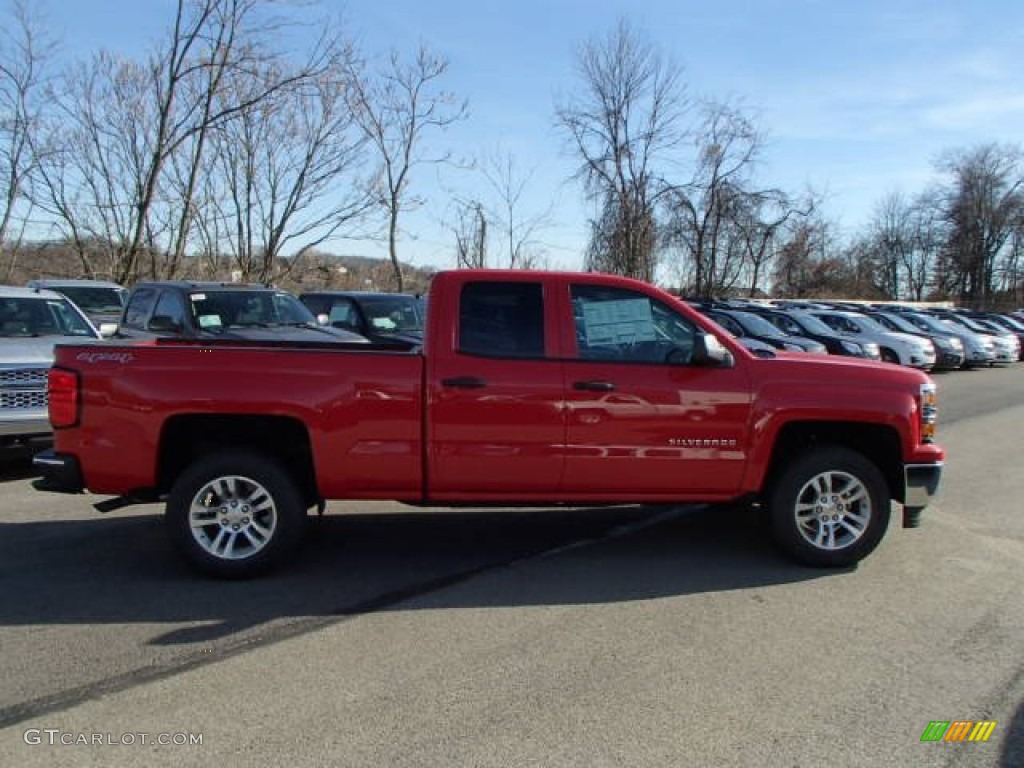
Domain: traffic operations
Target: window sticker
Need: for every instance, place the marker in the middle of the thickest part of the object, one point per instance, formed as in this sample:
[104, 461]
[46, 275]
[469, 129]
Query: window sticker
[210, 321]
[627, 321]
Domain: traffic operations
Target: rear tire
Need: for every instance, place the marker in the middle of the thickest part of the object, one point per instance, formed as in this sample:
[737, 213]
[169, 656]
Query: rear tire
[830, 508]
[235, 515]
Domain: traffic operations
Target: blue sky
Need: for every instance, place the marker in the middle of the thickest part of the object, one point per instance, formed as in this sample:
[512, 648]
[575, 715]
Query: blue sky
[857, 99]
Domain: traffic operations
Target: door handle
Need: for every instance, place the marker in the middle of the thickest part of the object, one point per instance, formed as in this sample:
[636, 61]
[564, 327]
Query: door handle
[594, 386]
[464, 382]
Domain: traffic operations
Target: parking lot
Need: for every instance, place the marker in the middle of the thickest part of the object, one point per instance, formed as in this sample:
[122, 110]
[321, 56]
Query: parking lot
[617, 636]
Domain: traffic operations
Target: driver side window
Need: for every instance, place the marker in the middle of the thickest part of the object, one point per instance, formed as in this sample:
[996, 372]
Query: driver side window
[621, 325]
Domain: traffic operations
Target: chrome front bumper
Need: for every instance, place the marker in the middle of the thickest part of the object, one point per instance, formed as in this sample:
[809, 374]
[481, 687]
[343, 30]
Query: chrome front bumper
[921, 483]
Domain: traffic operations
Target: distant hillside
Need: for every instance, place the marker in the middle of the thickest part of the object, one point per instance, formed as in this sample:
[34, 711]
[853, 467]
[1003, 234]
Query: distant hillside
[312, 270]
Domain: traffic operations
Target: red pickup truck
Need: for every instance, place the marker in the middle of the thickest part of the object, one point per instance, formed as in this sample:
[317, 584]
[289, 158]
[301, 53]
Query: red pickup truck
[530, 388]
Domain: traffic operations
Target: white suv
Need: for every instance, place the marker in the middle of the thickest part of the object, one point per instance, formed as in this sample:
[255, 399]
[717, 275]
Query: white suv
[32, 322]
[894, 347]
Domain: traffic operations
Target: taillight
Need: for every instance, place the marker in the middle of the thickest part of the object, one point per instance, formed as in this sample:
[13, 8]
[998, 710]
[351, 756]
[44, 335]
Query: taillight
[929, 412]
[62, 390]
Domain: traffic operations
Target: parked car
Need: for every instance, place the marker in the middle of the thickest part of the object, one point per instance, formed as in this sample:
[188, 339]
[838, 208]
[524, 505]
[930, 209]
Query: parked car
[742, 323]
[795, 322]
[1008, 322]
[978, 350]
[32, 322]
[900, 348]
[380, 317]
[1007, 339]
[949, 349]
[1005, 347]
[183, 309]
[100, 300]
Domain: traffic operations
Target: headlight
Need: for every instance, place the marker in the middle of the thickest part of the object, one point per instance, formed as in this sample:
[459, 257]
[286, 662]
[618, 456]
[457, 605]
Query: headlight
[956, 344]
[929, 412]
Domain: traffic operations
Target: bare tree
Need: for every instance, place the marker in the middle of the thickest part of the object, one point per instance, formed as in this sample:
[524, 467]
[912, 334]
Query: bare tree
[470, 230]
[758, 221]
[715, 207]
[397, 108]
[889, 242]
[287, 172]
[25, 55]
[146, 128]
[1012, 269]
[519, 227]
[803, 261]
[621, 125]
[985, 204]
[97, 143]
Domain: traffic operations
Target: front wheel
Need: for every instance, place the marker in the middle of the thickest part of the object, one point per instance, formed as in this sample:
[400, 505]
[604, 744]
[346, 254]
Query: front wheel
[234, 515]
[830, 507]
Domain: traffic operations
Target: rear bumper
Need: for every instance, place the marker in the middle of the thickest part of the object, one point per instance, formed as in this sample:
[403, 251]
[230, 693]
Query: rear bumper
[921, 483]
[59, 472]
[25, 424]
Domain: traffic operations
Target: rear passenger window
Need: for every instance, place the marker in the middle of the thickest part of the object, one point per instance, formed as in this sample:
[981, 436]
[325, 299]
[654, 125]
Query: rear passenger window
[501, 319]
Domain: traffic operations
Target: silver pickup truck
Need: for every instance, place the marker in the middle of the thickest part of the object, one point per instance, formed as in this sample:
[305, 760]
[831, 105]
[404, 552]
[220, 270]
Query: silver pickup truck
[32, 322]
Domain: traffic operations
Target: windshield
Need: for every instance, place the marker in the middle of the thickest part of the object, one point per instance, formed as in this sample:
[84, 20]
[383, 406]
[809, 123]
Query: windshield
[989, 326]
[395, 314]
[869, 323]
[898, 323]
[927, 323]
[756, 324]
[27, 317]
[1009, 322]
[240, 309]
[811, 324]
[95, 299]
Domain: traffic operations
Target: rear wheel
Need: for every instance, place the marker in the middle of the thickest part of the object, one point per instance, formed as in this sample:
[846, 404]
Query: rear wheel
[830, 508]
[235, 515]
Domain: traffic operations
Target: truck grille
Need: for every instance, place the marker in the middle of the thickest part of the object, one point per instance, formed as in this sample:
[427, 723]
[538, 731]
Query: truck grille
[22, 399]
[20, 378]
[23, 388]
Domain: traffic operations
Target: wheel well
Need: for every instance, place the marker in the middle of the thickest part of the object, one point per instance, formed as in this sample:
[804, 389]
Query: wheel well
[186, 438]
[876, 442]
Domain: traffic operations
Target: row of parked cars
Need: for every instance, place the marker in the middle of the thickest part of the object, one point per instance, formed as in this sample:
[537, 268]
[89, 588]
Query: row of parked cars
[929, 338]
[33, 319]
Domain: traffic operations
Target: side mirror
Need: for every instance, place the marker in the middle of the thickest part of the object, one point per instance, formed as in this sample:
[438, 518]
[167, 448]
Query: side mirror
[709, 351]
[108, 330]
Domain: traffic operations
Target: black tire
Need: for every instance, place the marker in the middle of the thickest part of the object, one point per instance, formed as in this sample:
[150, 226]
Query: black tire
[255, 511]
[889, 356]
[830, 508]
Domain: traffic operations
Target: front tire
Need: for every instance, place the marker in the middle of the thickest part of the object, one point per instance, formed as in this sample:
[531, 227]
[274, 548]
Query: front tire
[235, 515]
[830, 508]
